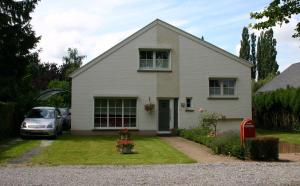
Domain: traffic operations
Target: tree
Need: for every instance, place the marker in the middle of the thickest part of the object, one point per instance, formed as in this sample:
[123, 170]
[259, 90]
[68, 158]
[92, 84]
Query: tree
[245, 45]
[71, 62]
[266, 55]
[278, 12]
[17, 40]
[253, 56]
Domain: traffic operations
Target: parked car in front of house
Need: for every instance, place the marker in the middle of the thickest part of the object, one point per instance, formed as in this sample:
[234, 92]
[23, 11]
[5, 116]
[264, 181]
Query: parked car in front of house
[42, 121]
[66, 118]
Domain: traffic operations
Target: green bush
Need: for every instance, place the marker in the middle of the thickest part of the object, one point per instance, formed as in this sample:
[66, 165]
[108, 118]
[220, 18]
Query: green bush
[279, 109]
[6, 120]
[263, 148]
[227, 143]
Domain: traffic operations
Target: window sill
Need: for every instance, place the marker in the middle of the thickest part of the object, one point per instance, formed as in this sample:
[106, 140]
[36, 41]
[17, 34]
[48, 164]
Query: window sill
[223, 97]
[154, 70]
[189, 109]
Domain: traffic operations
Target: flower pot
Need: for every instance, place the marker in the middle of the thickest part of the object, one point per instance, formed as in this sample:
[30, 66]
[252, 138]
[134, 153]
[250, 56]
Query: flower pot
[126, 150]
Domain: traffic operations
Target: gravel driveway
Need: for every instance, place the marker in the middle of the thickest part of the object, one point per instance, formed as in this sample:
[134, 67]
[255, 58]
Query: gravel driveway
[245, 173]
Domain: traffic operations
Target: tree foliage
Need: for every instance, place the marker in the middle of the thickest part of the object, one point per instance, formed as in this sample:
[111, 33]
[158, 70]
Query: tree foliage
[253, 56]
[245, 45]
[72, 61]
[17, 40]
[266, 55]
[278, 12]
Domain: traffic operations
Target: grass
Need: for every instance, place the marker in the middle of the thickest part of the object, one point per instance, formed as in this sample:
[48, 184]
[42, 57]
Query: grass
[13, 149]
[100, 150]
[289, 137]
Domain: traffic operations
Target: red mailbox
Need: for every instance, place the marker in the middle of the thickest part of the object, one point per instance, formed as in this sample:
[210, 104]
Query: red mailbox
[247, 128]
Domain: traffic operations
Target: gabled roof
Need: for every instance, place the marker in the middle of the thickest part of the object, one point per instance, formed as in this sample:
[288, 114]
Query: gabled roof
[145, 29]
[289, 77]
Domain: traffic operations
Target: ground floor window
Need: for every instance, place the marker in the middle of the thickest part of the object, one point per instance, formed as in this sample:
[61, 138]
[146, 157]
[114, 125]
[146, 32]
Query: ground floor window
[114, 112]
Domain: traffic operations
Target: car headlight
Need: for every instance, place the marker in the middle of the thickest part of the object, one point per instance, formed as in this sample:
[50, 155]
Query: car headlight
[24, 125]
[50, 125]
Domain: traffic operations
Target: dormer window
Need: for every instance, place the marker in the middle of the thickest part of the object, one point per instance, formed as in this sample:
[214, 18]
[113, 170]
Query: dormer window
[154, 60]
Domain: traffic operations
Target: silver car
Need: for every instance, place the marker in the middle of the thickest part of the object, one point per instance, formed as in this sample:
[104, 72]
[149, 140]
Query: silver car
[42, 121]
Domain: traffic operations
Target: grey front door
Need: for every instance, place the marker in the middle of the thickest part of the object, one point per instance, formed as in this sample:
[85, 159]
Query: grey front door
[163, 115]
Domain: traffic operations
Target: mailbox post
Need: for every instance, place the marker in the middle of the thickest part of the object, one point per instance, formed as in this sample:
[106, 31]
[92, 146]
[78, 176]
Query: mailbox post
[247, 130]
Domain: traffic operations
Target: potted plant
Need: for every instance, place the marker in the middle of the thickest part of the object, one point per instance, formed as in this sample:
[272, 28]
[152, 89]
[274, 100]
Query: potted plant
[124, 134]
[149, 107]
[125, 146]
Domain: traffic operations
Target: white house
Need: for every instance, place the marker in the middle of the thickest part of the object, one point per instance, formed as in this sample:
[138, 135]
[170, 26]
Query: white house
[165, 66]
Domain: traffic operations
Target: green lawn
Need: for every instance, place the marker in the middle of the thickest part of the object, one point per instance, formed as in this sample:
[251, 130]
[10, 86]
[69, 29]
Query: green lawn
[99, 150]
[9, 150]
[289, 137]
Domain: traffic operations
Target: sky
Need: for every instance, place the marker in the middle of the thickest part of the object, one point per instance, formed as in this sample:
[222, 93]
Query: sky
[94, 26]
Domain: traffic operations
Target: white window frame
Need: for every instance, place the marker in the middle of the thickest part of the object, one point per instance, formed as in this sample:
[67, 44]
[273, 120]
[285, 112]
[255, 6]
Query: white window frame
[221, 82]
[154, 66]
[107, 113]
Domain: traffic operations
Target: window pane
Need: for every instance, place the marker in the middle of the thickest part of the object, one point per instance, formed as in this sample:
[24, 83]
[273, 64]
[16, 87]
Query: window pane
[162, 55]
[126, 112]
[132, 111]
[103, 102]
[112, 122]
[231, 91]
[214, 83]
[97, 122]
[119, 122]
[149, 54]
[112, 103]
[143, 55]
[97, 103]
[103, 122]
[225, 91]
[132, 122]
[119, 112]
[118, 103]
[126, 122]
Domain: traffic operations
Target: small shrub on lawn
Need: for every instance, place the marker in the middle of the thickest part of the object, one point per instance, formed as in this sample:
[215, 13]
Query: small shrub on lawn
[263, 148]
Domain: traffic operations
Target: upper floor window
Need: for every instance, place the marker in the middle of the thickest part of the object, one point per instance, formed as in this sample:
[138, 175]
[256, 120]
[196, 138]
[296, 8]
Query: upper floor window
[222, 87]
[154, 59]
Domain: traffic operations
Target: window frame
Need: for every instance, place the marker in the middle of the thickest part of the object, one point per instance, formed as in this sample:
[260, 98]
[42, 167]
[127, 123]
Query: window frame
[154, 60]
[108, 113]
[222, 87]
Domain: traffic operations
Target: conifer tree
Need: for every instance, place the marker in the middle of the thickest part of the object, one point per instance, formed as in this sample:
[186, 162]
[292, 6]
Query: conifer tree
[245, 45]
[253, 56]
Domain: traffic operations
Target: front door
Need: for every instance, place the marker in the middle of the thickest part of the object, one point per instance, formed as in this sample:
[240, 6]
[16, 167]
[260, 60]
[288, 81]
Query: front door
[164, 115]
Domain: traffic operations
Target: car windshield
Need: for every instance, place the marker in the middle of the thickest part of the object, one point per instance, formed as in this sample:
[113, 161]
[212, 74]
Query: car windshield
[41, 113]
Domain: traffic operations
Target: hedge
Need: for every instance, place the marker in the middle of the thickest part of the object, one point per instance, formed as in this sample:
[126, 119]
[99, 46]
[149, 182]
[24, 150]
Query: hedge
[279, 109]
[6, 120]
[263, 148]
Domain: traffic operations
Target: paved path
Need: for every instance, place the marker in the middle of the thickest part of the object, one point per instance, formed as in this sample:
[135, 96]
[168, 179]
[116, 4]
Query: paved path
[233, 174]
[31, 153]
[196, 151]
